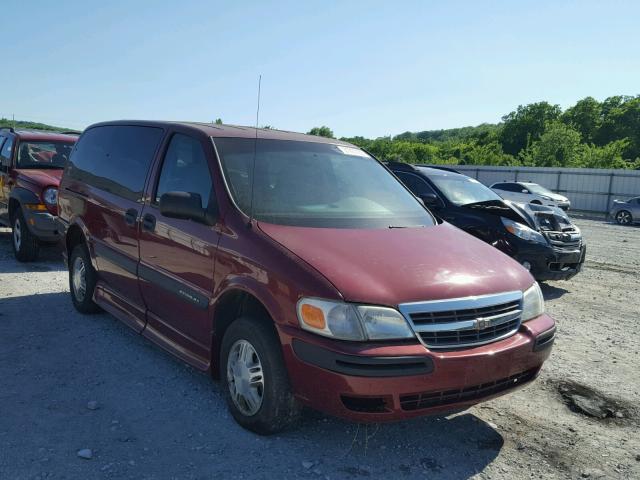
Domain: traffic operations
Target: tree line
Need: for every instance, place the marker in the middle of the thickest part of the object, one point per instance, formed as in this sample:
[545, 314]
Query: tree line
[589, 134]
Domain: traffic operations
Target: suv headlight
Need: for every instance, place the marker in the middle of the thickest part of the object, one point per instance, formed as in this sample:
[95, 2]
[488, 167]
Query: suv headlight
[522, 231]
[348, 321]
[50, 196]
[532, 303]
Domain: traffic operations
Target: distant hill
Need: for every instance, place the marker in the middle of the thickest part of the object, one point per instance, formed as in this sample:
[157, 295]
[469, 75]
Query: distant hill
[450, 134]
[4, 122]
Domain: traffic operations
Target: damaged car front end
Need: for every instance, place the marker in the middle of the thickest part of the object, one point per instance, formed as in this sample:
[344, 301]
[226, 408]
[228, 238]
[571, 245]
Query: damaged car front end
[562, 255]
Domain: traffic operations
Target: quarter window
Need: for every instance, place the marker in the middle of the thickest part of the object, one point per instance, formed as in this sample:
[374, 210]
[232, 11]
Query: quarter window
[185, 169]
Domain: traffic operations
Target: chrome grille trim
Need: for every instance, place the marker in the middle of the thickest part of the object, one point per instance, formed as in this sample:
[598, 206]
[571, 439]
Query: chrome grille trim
[508, 304]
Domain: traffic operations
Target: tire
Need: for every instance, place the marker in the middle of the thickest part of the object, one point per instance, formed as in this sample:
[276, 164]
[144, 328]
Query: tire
[272, 407]
[25, 244]
[82, 280]
[623, 217]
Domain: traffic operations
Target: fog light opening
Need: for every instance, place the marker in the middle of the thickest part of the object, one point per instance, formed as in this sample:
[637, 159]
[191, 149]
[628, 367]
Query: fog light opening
[526, 265]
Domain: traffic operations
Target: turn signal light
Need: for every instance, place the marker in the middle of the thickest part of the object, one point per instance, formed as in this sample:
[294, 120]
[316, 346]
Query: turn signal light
[313, 316]
[39, 207]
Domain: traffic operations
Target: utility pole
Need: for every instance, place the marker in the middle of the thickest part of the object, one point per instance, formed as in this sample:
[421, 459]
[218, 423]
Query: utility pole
[13, 117]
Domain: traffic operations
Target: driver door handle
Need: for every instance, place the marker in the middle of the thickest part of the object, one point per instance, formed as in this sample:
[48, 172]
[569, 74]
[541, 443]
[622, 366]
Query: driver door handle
[149, 222]
[130, 217]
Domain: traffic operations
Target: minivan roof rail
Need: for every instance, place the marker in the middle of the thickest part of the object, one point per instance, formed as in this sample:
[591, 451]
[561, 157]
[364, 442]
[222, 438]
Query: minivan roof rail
[69, 132]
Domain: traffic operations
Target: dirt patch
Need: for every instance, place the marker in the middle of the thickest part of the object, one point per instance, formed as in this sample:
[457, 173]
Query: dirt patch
[588, 401]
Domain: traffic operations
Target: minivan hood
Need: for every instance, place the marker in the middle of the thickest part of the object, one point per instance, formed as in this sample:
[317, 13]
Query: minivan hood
[393, 266]
[41, 177]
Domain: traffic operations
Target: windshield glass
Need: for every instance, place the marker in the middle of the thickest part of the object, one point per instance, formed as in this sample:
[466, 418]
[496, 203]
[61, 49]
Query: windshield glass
[461, 190]
[316, 185]
[539, 189]
[43, 154]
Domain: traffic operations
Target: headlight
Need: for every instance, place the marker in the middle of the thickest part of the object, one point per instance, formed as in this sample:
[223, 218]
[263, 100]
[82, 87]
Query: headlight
[347, 321]
[50, 196]
[522, 231]
[532, 303]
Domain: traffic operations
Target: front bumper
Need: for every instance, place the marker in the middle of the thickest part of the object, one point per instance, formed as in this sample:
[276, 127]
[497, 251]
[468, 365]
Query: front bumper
[387, 382]
[43, 225]
[549, 263]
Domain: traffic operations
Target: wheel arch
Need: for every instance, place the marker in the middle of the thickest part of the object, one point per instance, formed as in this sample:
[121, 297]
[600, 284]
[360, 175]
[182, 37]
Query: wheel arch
[235, 301]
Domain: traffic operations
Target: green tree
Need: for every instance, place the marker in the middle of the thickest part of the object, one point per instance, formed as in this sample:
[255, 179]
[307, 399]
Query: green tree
[526, 125]
[321, 132]
[218, 121]
[586, 117]
[559, 146]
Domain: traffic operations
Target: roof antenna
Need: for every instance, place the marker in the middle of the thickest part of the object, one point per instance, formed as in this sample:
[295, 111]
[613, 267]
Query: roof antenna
[255, 152]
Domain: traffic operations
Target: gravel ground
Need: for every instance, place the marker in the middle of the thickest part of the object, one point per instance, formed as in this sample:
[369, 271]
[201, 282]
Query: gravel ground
[69, 382]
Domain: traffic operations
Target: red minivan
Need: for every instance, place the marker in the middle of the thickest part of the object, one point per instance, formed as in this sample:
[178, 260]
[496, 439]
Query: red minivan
[296, 269]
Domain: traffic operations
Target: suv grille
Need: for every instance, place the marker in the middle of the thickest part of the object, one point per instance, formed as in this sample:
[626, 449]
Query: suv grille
[462, 322]
[419, 401]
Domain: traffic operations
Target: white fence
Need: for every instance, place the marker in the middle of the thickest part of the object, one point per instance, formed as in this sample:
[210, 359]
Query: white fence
[589, 189]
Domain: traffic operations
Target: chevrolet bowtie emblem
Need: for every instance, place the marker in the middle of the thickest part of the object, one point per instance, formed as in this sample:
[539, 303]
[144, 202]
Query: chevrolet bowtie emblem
[482, 323]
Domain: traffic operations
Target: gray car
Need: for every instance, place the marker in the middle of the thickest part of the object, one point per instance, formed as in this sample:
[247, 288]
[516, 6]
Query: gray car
[626, 212]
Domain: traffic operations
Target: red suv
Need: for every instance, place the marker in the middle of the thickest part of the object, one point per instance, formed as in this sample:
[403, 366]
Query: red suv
[31, 167]
[296, 269]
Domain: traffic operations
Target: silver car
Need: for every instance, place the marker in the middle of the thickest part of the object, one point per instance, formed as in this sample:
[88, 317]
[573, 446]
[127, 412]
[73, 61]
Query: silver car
[627, 212]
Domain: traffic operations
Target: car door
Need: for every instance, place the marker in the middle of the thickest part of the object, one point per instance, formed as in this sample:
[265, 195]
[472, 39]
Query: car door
[106, 178]
[177, 255]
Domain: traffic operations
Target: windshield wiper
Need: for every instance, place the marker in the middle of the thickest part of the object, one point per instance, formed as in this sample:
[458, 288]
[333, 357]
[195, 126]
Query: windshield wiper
[405, 226]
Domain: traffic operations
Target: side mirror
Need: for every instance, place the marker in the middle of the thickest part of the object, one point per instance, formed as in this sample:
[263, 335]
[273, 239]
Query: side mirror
[186, 205]
[430, 200]
[525, 191]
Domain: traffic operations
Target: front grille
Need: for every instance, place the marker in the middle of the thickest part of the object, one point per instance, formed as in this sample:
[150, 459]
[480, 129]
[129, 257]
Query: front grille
[466, 321]
[419, 401]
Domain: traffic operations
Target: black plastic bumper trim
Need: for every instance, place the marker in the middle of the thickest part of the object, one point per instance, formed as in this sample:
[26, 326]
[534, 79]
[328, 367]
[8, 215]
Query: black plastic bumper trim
[545, 340]
[362, 366]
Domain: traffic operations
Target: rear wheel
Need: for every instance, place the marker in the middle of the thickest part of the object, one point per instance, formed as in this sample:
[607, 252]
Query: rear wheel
[623, 217]
[25, 245]
[256, 385]
[82, 280]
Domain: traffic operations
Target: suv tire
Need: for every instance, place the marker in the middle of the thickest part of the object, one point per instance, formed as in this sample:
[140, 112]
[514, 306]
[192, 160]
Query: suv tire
[82, 280]
[25, 245]
[255, 381]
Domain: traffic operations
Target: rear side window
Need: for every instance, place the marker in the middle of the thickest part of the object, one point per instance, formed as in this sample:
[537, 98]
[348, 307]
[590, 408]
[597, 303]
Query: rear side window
[115, 158]
[508, 187]
[185, 169]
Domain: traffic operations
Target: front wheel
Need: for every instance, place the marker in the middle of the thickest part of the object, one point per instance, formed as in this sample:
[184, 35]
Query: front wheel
[25, 244]
[82, 280]
[255, 381]
[623, 217]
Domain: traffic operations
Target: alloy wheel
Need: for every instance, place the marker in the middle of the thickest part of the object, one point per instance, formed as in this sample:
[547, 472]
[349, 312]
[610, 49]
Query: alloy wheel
[79, 278]
[623, 218]
[245, 377]
[17, 234]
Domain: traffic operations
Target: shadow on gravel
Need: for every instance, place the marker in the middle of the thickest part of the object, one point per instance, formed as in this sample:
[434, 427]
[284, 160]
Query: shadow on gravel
[158, 418]
[551, 292]
[49, 260]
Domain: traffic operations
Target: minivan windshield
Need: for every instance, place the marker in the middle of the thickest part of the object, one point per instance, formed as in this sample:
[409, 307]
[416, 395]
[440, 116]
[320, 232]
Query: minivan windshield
[462, 190]
[34, 154]
[316, 185]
